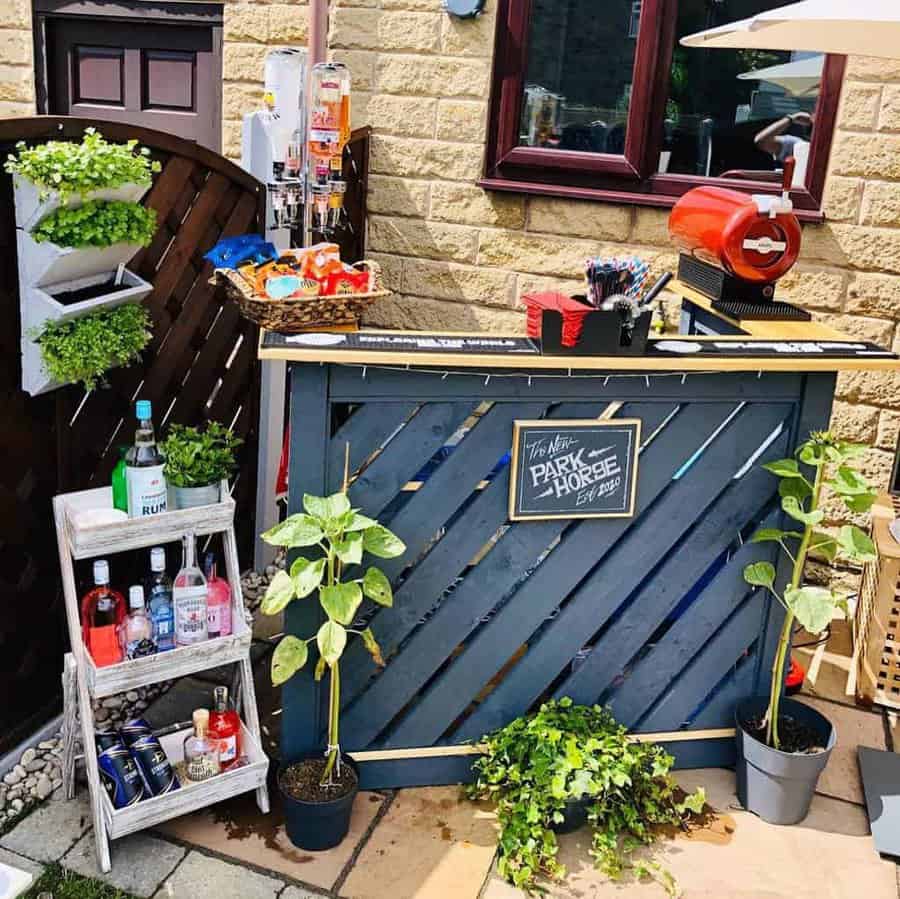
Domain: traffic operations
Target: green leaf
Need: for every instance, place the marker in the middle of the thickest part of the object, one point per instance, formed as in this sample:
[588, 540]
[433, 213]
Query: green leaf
[772, 535]
[760, 574]
[861, 502]
[331, 640]
[315, 505]
[812, 454]
[800, 490]
[350, 549]
[341, 601]
[381, 542]
[792, 506]
[289, 657]
[784, 468]
[823, 545]
[856, 544]
[812, 606]
[693, 802]
[321, 665]
[359, 522]
[295, 531]
[372, 647]
[377, 587]
[848, 482]
[307, 575]
[278, 594]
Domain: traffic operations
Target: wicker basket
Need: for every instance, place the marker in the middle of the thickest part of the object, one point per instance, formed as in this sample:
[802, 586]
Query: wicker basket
[302, 313]
[876, 626]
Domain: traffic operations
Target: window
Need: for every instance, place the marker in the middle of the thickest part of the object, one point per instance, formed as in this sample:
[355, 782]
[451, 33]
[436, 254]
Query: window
[599, 101]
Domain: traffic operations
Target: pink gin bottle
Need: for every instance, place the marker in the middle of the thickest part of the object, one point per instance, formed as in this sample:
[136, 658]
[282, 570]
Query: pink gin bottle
[218, 599]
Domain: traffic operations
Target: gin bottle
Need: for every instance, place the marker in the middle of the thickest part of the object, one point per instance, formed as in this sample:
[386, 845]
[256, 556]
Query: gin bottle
[189, 597]
[201, 751]
[144, 477]
[159, 593]
[136, 631]
[218, 599]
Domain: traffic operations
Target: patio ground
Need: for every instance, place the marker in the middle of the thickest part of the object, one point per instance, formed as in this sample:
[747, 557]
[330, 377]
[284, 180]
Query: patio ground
[430, 844]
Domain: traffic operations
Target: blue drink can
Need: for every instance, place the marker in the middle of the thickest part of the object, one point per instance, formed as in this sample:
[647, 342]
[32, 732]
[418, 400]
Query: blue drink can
[120, 777]
[135, 729]
[153, 764]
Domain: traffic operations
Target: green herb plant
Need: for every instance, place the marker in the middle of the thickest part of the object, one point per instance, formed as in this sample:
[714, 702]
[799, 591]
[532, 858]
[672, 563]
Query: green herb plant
[342, 535]
[801, 498]
[97, 223]
[75, 169]
[565, 753]
[83, 349]
[197, 457]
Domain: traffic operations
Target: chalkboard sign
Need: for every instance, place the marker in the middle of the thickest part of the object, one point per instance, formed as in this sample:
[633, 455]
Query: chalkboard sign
[574, 469]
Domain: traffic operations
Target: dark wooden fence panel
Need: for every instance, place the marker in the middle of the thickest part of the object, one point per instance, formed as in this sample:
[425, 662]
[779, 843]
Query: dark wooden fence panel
[201, 365]
[649, 614]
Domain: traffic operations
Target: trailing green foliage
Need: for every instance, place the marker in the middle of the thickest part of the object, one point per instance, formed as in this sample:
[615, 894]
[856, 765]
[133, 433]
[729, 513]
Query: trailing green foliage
[57, 882]
[566, 752]
[343, 535]
[97, 223]
[197, 457]
[75, 169]
[812, 607]
[83, 349]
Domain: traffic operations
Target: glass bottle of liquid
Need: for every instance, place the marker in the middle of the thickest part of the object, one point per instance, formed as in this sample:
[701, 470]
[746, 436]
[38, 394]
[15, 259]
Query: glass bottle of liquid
[189, 597]
[218, 599]
[102, 611]
[144, 477]
[329, 118]
[159, 592]
[225, 726]
[136, 630]
[201, 751]
[119, 486]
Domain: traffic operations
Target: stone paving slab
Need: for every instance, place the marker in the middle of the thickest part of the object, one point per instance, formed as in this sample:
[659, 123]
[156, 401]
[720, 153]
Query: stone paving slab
[237, 829]
[204, 877]
[429, 845]
[300, 893]
[140, 862]
[14, 860]
[51, 830]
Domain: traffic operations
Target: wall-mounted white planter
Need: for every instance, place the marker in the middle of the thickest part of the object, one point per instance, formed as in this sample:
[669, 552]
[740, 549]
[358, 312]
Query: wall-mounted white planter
[40, 305]
[30, 209]
[48, 263]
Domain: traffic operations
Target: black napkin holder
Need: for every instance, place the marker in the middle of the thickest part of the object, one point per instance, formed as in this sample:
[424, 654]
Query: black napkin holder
[602, 334]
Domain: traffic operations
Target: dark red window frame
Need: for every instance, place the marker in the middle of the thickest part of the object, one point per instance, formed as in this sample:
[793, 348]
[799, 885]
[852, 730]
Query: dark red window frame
[630, 178]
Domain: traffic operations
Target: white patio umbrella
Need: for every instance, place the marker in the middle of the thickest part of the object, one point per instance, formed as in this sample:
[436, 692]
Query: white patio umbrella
[798, 77]
[856, 27]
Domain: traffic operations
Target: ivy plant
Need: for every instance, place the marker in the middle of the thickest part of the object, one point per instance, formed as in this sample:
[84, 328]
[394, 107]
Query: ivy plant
[822, 461]
[83, 349]
[565, 753]
[342, 535]
[197, 457]
[74, 169]
[97, 223]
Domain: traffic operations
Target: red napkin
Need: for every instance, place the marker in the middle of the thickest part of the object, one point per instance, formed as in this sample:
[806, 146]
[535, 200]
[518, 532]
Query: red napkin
[573, 313]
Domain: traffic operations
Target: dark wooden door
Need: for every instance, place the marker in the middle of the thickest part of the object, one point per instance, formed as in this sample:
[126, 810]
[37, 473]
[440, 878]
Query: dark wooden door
[162, 75]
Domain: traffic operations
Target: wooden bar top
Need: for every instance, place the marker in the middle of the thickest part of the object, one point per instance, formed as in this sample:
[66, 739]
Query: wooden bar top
[755, 332]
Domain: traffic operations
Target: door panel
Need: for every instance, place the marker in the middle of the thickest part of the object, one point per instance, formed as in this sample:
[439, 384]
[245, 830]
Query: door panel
[160, 75]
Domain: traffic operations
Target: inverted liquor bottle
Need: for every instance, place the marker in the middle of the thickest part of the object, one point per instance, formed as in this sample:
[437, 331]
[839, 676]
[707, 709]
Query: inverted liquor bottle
[329, 118]
[102, 611]
[144, 463]
[189, 597]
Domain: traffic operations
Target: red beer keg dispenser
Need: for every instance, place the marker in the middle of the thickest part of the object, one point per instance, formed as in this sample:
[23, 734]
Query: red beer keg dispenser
[735, 246]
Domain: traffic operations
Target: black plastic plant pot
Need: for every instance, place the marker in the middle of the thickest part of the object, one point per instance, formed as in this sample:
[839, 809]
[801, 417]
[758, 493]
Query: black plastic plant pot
[317, 826]
[779, 786]
[574, 815]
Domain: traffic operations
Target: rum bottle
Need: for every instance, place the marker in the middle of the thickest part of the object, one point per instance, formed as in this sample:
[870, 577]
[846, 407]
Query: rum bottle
[225, 726]
[159, 592]
[102, 611]
[189, 597]
[201, 751]
[329, 118]
[218, 599]
[144, 463]
[136, 630]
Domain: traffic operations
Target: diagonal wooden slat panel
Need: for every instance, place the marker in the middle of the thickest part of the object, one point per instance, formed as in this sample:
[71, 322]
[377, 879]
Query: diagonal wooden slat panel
[653, 674]
[498, 638]
[365, 431]
[427, 431]
[623, 569]
[740, 503]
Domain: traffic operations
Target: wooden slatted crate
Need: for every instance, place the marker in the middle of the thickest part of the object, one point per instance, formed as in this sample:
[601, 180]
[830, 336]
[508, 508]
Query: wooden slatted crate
[876, 630]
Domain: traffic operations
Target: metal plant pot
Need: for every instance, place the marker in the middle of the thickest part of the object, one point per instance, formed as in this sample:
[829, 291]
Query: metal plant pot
[779, 786]
[191, 497]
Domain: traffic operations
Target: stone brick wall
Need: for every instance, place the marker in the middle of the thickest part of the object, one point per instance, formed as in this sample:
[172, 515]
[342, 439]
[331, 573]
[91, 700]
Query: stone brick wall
[16, 59]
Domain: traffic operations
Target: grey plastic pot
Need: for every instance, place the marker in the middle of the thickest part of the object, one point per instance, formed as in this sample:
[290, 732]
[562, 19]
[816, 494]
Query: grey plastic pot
[191, 497]
[779, 786]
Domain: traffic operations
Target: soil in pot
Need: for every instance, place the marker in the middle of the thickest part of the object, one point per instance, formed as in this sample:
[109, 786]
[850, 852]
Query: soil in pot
[302, 781]
[90, 292]
[794, 736]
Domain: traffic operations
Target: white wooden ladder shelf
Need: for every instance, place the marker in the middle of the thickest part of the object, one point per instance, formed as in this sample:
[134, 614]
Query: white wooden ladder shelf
[83, 681]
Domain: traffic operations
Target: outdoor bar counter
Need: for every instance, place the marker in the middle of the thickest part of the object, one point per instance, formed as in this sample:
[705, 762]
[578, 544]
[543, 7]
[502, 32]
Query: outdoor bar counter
[501, 600]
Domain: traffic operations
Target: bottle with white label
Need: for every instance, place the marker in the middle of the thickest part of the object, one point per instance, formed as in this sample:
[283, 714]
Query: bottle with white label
[189, 597]
[144, 463]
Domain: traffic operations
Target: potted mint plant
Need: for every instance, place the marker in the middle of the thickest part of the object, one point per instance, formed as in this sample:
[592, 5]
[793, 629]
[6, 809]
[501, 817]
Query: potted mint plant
[197, 461]
[319, 790]
[783, 745]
